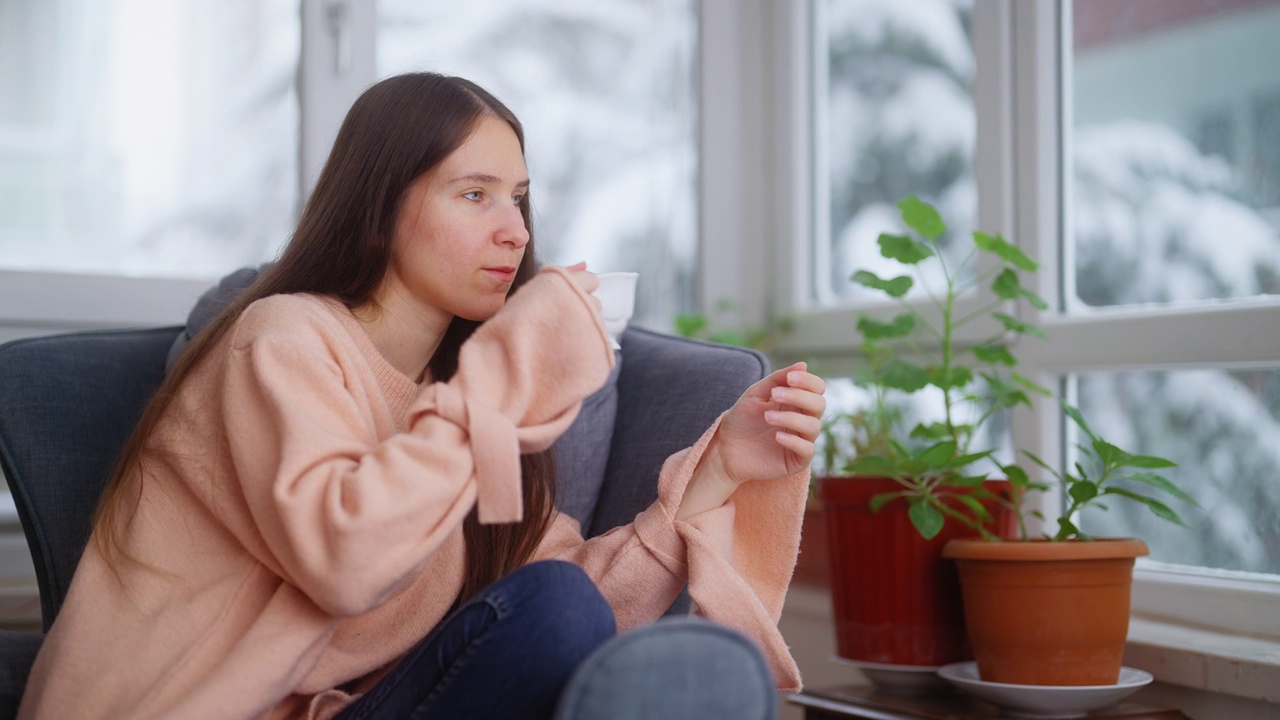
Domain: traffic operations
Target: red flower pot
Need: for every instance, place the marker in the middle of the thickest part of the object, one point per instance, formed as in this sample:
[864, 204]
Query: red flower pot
[896, 600]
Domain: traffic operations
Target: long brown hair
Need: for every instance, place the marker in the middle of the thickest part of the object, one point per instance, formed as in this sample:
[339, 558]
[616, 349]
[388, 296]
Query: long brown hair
[397, 130]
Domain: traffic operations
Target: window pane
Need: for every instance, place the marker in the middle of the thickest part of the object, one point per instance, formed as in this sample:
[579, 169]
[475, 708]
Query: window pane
[146, 137]
[1176, 150]
[1223, 430]
[894, 116]
[608, 97]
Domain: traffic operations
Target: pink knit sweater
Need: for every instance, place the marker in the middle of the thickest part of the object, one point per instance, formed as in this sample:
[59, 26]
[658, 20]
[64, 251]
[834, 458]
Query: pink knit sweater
[298, 526]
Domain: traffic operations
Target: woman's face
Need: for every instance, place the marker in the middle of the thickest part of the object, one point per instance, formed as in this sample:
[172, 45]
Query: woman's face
[459, 236]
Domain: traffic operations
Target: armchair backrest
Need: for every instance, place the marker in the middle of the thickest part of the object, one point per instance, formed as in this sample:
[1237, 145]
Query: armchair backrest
[67, 406]
[669, 392]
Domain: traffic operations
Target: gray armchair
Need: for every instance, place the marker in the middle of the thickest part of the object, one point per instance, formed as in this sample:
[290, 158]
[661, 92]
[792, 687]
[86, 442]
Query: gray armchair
[68, 402]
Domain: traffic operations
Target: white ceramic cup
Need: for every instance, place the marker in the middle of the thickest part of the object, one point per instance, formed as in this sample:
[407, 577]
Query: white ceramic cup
[617, 293]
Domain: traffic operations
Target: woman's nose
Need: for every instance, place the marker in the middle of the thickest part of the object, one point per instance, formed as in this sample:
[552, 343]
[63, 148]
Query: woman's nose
[512, 230]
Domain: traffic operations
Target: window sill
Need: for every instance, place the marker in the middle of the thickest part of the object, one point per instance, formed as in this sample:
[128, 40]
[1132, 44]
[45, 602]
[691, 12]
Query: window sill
[1200, 659]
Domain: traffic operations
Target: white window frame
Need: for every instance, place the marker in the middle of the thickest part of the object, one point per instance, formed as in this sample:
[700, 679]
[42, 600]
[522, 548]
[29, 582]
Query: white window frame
[330, 78]
[1207, 630]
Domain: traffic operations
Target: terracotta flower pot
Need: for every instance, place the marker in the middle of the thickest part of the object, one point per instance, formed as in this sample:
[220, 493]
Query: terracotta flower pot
[895, 600]
[1047, 613]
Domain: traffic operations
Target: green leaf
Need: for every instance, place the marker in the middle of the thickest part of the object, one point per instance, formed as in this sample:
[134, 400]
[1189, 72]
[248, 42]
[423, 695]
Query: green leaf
[729, 337]
[1148, 461]
[1015, 475]
[926, 518]
[922, 217]
[904, 376]
[913, 467]
[1004, 249]
[1013, 324]
[895, 287]
[900, 326]
[879, 501]
[995, 355]
[1108, 454]
[1074, 413]
[1160, 509]
[1163, 483]
[969, 481]
[932, 431]
[957, 376]
[939, 454]
[975, 507]
[960, 461]
[1034, 300]
[876, 465]
[1083, 492]
[1068, 529]
[1033, 387]
[1006, 286]
[690, 324]
[1036, 459]
[905, 250]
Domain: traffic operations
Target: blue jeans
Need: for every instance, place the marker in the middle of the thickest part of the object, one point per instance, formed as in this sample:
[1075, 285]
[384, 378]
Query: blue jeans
[507, 653]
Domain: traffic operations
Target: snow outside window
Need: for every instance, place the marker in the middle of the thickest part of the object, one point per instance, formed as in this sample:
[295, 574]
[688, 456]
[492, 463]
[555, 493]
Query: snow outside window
[895, 116]
[607, 94]
[152, 138]
[1175, 152]
[1172, 201]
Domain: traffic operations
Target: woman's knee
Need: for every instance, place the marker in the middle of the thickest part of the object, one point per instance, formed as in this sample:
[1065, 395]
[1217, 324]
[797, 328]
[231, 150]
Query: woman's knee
[559, 604]
[677, 669]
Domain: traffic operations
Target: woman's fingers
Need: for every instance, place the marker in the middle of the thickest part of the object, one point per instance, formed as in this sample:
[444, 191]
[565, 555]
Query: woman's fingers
[802, 448]
[805, 401]
[799, 377]
[801, 424]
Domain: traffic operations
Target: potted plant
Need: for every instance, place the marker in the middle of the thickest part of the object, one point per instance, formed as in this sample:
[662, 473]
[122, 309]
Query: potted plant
[907, 490]
[1055, 610]
[908, 494]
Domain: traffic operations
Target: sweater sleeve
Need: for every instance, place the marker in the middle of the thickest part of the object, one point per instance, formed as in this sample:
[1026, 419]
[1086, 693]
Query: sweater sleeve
[737, 559]
[349, 519]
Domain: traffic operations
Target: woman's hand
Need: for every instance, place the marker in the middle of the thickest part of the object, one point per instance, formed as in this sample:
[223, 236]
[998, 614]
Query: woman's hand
[586, 280]
[768, 433]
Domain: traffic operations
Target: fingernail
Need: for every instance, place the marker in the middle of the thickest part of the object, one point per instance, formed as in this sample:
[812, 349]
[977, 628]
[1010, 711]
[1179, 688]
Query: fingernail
[770, 416]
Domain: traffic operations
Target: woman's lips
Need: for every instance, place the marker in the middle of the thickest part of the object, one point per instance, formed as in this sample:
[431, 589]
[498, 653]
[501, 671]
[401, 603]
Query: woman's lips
[506, 274]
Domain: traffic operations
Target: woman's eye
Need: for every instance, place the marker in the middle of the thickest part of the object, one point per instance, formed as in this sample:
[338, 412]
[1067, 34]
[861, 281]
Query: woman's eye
[473, 196]
[516, 200]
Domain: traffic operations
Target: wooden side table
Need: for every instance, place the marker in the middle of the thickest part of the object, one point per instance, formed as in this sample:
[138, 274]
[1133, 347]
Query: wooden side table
[864, 701]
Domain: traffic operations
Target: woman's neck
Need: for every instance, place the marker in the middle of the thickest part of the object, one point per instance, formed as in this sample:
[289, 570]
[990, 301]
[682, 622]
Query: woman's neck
[406, 336]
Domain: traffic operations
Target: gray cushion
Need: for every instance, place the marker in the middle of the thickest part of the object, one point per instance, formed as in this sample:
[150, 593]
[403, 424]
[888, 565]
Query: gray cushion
[581, 454]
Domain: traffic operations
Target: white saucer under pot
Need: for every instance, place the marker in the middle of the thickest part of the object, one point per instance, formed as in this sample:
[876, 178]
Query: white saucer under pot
[900, 679]
[1044, 701]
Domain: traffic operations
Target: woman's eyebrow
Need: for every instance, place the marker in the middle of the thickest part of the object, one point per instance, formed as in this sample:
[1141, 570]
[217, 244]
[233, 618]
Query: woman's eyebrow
[483, 178]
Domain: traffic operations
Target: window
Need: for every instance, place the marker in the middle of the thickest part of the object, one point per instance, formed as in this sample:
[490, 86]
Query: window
[1169, 204]
[1128, 145]
[146, 137]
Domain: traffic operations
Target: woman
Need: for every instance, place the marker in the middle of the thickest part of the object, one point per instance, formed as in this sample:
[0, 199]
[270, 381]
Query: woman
[339, 503]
